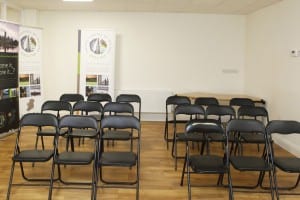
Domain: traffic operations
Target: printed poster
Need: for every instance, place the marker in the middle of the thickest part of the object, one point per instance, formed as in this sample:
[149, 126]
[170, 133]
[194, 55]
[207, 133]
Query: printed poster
[9, 101]
[96, 53]
[30, 62]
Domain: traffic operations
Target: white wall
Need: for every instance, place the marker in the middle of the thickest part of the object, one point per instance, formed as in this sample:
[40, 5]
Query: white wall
[271, 71]
[155, 51]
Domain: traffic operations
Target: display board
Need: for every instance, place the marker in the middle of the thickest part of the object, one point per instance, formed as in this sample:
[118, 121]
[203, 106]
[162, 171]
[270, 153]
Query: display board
[30, 66]
[96, 53]
[9, 101]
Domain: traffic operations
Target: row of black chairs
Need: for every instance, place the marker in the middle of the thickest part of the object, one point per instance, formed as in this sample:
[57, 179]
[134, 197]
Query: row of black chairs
[104, 98]
[175, 100]
[85, 119]
[266, 162]
[97, 157]
[205, 123]
[223, 114]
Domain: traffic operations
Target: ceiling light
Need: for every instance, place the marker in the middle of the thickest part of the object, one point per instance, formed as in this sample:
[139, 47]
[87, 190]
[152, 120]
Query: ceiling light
[79, 0]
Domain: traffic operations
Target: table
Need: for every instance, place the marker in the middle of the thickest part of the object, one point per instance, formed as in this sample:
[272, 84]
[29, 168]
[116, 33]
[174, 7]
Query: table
[222, 98]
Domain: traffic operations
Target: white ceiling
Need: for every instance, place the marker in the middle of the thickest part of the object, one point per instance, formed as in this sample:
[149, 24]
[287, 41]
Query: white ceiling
[189, 6]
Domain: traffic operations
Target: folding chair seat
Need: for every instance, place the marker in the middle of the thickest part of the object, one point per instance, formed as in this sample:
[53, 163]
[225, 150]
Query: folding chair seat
[77, 157]
[189, 111]
[286, 164]
[171, 103]
[59, 108]
[252, 162]
[214, 163]
[119, 157]
[132, 99]
[25, 154]
[117, 108]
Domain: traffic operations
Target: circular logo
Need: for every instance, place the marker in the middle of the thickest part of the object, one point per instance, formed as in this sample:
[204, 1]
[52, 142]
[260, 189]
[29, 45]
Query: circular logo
[98, 45]
[29, 43]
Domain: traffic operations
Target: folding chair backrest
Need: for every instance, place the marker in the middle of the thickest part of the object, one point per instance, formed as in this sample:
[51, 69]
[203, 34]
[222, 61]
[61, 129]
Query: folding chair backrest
[220, 110]
[206, 101]
[99, 97]
[88, 106]
[250, 111]
[38, 120]
[245, 125]
[131, 98]
[241, 102]
[177, 100]
[57, 106]
[189, 109]
[120, 122]
[78, 121]
[71, 97]
[283, 127]
[128, 98]
[118, 108]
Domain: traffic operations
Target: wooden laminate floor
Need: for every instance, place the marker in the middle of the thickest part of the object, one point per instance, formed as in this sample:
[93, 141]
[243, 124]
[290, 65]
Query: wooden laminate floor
[158, 178]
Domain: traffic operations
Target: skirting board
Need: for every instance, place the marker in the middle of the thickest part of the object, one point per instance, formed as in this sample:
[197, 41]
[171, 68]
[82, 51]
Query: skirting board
[3, 135]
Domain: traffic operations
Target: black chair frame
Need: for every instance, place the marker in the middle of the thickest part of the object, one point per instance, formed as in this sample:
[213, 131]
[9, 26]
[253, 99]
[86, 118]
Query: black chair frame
[285, 164]
[244, 163]
[206, 164]
[116, 158]
[173, 101]
[192, 112]
[76, 157]
[32, 155]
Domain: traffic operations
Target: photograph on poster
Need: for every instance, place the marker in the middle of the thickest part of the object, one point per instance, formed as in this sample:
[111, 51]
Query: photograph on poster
[9, 36]
[24, 79]
[35, 79]
[35, 90]
[8, 93]
[91, 79]
[97, 83]
[24, 92]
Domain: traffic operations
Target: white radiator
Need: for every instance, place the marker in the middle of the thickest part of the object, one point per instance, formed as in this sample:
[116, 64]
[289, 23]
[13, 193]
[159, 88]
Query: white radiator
[153, 101]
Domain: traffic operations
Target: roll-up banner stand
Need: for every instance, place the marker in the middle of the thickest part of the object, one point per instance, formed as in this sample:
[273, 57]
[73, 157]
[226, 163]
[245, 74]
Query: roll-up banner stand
[9, 100]
[30, 69]
[96, 58]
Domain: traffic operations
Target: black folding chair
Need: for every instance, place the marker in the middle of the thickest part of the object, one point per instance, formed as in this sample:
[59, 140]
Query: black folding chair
[171, 103]
[189, 111]
[89, 108]
[88, 127]
[287, 164]
[132, 99]
[223, 114]
[25, 154]
[117, 108]
[206, 164]
[59, 108]
[119, 158]
[257, 113]
[252, 162]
